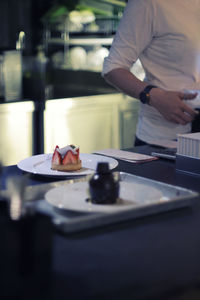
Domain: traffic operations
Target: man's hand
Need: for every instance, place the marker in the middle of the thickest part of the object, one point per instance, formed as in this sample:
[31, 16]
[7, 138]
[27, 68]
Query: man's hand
[171, 105]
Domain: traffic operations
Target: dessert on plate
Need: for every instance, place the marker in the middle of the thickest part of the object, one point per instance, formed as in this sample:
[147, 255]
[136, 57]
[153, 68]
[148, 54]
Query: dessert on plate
[66, 159]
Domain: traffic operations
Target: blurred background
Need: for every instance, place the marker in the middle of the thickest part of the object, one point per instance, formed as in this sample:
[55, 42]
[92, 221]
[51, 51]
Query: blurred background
[51, 88]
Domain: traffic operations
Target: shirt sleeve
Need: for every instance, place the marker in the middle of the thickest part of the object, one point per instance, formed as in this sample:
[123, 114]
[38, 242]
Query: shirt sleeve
[134, 34]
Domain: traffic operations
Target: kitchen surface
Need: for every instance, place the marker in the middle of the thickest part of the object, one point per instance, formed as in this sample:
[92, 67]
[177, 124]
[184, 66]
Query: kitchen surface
[104, 255]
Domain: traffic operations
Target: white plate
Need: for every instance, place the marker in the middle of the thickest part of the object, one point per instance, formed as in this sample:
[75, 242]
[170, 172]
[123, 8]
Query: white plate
[73, 196]
[41, 165]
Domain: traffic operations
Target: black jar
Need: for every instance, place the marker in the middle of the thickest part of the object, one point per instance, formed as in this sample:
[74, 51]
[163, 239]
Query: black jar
[103, 187]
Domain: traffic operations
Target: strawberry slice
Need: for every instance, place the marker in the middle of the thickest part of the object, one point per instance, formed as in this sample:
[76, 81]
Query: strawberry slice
[70, 158]
[77, 151]
[57, 158]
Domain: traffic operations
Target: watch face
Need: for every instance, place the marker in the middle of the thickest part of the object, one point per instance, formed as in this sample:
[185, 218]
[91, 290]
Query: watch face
[144, 97]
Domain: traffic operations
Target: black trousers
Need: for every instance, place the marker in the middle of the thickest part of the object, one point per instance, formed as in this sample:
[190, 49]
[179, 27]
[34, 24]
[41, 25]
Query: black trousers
[139, 142]
[196, 123]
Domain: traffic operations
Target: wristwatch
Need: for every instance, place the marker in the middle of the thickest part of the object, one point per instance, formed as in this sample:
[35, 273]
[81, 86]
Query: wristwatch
[144, 95]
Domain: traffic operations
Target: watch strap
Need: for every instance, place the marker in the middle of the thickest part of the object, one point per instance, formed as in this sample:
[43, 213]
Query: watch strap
[144, 95]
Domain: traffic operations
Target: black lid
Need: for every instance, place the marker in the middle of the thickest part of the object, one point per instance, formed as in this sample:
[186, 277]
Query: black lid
[103, 168]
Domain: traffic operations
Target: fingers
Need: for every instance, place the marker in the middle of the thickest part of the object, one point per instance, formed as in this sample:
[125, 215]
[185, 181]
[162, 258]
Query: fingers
[183, 115]
[182, 119]
[179, 120]
[189, 111]
[172, 106]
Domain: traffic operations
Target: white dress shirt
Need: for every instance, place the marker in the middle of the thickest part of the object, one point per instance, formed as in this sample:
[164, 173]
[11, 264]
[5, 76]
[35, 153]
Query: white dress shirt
[165, 36]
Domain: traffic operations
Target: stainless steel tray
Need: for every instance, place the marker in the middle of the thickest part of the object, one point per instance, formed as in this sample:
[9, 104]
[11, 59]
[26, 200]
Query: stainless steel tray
[168, 198]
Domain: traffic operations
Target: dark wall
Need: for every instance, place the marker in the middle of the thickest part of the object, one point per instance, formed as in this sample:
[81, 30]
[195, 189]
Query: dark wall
[14, 17]
[25, 15]
[38, 9]
[21, 15]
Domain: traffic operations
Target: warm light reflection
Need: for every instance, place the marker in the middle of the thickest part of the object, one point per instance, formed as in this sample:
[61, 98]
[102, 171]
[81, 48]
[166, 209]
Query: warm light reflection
[16, 131]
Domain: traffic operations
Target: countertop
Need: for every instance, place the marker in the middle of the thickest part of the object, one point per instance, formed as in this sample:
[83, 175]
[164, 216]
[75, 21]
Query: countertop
[154, 257]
